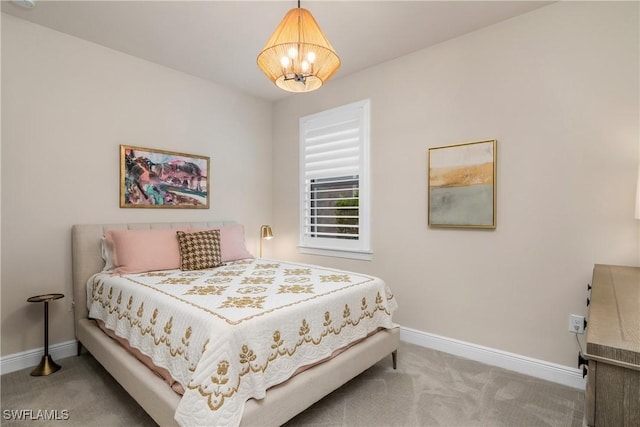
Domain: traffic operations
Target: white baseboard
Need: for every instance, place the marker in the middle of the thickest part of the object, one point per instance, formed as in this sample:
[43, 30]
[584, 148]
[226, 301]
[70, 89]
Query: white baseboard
[31, 358]
[565, 375]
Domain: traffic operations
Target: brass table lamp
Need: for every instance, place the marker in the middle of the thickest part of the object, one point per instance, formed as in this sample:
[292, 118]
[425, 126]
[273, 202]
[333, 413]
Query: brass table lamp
[265, 234]
[47, 365]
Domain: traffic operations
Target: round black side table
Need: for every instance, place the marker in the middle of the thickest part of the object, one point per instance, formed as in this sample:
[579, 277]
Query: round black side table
[47, 365]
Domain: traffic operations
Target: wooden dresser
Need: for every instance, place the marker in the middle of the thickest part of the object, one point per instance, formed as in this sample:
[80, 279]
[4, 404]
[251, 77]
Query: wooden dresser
[613, 348]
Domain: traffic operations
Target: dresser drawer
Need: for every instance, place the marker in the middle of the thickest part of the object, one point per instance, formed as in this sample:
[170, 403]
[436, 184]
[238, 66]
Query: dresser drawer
[613, 348]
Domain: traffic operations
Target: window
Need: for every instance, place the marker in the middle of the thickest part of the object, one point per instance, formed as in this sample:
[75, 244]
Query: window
[334, 187]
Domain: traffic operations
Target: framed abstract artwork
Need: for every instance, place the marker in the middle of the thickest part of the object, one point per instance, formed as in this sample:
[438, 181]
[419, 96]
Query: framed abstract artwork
[152, 178]
[462, 185]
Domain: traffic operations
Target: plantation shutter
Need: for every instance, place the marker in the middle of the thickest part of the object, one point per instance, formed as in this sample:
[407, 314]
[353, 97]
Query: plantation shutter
[334, 154]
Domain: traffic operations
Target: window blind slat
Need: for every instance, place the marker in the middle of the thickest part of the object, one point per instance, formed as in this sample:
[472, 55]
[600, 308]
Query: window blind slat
[332, 199]
[344, 190]
[333, 216]
[323, 234]
[326, 160]
[330, 164]
[328, 225]
[346, 138]
[325, 129]
[330, 172]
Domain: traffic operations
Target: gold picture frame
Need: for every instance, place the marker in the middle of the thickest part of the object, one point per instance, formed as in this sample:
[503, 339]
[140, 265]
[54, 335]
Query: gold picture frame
[151, 178]
[462, 185]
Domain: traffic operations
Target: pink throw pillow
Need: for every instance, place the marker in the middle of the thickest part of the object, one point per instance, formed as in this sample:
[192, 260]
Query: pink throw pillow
[138, 251]
[232, 243]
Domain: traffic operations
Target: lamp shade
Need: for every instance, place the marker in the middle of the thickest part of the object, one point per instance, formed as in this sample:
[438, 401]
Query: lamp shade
[265, 232]
[298, 57]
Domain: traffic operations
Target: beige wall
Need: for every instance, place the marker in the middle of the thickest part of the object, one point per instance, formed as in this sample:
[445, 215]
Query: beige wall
[558, 88]
[67, 104]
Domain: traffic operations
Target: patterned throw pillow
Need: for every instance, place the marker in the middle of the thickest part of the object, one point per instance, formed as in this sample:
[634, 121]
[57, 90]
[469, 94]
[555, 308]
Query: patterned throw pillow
[199, 250]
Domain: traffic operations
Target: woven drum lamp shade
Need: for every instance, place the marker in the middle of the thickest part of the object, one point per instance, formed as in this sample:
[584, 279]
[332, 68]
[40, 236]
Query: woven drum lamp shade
[298, 57]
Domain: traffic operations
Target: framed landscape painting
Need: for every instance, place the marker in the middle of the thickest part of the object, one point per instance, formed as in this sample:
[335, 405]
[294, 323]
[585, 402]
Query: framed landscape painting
[462, 185]
[163, 179]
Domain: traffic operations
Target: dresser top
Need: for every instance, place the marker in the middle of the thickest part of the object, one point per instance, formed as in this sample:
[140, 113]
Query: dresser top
[613, 331]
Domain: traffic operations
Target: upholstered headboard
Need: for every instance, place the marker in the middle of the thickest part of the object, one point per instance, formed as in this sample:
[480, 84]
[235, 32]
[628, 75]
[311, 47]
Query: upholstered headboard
[86, 252]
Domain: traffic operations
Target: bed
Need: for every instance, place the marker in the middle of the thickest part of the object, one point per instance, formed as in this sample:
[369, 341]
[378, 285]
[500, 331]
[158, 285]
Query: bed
[280, 403]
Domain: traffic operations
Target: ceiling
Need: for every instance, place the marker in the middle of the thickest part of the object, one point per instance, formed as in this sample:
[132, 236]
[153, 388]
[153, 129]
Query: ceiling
[220, 40]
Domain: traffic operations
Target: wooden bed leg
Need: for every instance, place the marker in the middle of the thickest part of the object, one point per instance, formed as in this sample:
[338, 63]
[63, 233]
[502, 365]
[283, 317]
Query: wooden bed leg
[394, 358]
[79, 348]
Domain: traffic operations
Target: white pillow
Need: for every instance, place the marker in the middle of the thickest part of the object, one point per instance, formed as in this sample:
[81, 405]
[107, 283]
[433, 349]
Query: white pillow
[106, 255]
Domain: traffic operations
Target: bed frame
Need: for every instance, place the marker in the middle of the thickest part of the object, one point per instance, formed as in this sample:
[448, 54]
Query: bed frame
[281, 403]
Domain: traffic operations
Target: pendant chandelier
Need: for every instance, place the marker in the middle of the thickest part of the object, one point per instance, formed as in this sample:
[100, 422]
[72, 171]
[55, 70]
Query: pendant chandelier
[298, 57]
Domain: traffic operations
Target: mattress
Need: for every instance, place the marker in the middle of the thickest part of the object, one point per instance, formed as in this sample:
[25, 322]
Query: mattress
[228, 334]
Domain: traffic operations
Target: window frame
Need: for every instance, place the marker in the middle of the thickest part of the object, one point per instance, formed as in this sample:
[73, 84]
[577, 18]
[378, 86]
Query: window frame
[346, 248]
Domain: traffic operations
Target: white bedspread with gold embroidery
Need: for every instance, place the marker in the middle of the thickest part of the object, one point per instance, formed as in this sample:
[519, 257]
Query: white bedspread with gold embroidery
[228, 334]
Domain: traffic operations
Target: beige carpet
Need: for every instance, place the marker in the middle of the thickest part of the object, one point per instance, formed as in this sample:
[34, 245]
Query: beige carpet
[429, 388]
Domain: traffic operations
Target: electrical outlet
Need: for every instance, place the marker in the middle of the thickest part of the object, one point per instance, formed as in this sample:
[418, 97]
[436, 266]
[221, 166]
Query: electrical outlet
[576, 324]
